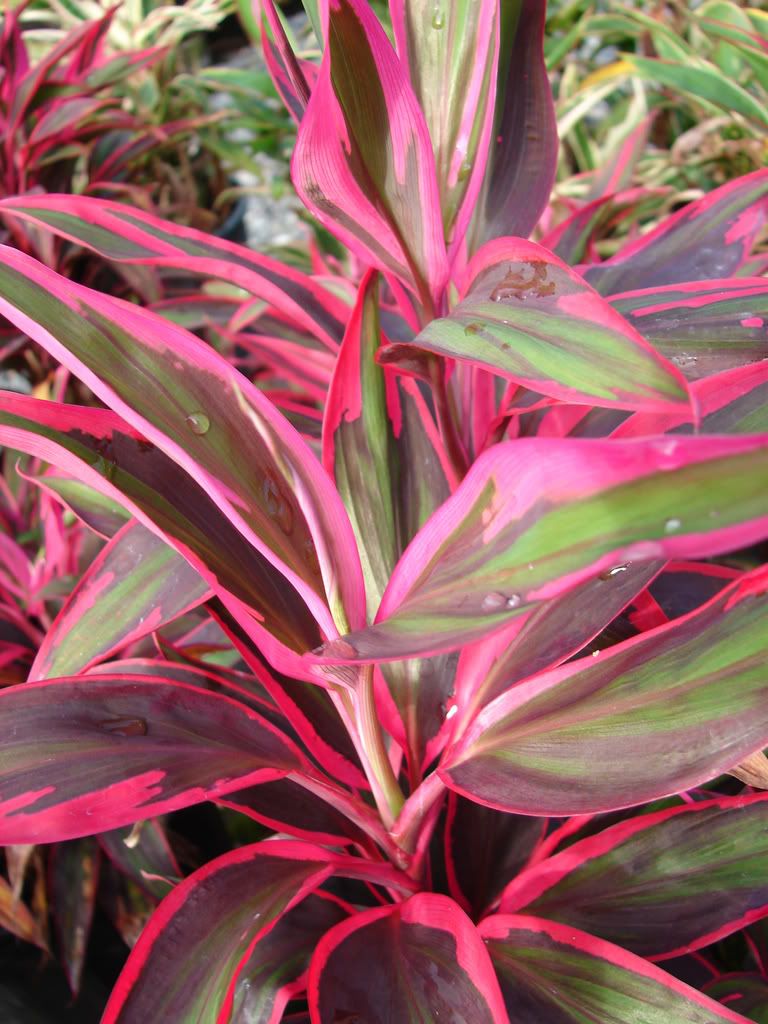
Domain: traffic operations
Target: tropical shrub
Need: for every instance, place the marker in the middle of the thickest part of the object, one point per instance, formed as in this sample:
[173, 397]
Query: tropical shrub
[483, 530]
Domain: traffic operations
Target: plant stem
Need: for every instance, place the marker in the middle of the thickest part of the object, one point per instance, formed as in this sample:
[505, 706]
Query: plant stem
[446, 423]
[406, 829]
[386, 791]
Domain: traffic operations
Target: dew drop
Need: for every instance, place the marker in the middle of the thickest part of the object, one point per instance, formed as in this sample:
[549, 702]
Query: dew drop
[514, 601]
[672, 525]
[473, 328]
[452, 710]
[614, 571]
[198, 423]
[438, 19]
[465, 170]
[491, 602]
[595, 654]
[124, 726]
[684, 360]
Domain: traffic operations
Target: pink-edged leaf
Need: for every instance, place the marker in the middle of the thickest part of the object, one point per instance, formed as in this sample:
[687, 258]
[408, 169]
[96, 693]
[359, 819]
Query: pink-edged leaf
[143, 855]
[535, 517]
[652, 716]
[483, 847]
[275, 971]
[136, 585]
[376, 190]
[183, 969]
[16, 917]
[554, 632]
[93, 753]
[708, 239]
[574, 237]
[73, 876]
[415, 961]
[743, 993]
[553, 974]
[285, 806]
[191, 403]
[731, 402]
[659, 884]
[96, 510]
[102, 450]
[128, 235]
[521, 168]
[703, 327]
[381, 446]
[452, 55]
[525, 315]
[285, 69]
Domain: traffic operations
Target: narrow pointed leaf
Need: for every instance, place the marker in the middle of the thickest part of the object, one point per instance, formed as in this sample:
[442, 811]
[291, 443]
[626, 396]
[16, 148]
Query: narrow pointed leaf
[73, 875]
[522, 163]
[552, 973]
[125, 749]
[105, 452]
[388, 468]
[184, 970]
[652, 716]
[527, 316]
[743, 993]
[708, 239]
[415, 961]
[146, 858]
[194, 406]
[484, 849]
[17, 918]
[659, 885]
[535, 517]
[136, 585]
[102, 515]
[451, 53]
[274, 972]
[703, 327]
[376, 190]
[128, 235]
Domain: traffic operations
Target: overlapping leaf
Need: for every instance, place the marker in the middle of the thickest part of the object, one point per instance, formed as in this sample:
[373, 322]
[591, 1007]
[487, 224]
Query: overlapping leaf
[376, 190]
[451, 52]
[527, 316]
[660, 884]
[522, 162]
[535, 517]
[414, 961]
[278, 498]
[655, 715]
[551, 972]
[125, 749]
[129, 235]
[136, 584]
[708, 239]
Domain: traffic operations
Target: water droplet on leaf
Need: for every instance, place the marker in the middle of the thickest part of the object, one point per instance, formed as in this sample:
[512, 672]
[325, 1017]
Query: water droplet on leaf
[492, 602]
[514, 601]
[614, 571]
[124, 726]
[672, 525]
[465, 170]
[438, 18]
[473, 328]
[198, 423]
[276, 506]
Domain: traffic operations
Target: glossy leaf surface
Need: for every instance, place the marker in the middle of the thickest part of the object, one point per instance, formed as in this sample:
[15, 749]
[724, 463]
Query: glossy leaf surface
[183, 970]
[653, 716]
[125, 749]
[136, 584]
[553, 973]
[535, 517]
[376, 190]
[708, 239]
[527, 316]
[423, 961]
[661, 884]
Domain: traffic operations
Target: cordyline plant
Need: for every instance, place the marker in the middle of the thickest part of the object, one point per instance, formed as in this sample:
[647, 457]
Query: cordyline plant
[474, 624]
